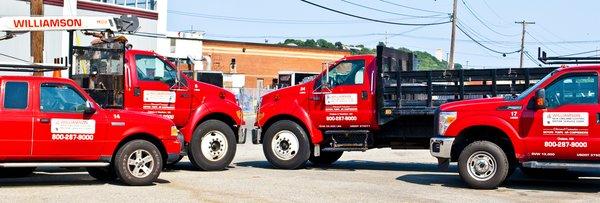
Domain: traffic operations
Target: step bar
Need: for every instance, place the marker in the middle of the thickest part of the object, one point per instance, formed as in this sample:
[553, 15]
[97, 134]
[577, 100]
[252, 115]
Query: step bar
[560, 165]
[53, 164]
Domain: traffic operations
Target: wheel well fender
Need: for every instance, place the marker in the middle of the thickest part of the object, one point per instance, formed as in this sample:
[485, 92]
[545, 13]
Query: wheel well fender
[142, 136]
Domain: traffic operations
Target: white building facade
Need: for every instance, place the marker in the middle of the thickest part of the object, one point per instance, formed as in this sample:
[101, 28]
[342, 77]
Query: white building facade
[152, 16]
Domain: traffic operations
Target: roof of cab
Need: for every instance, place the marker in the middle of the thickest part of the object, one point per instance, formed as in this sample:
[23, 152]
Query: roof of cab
[34, 78]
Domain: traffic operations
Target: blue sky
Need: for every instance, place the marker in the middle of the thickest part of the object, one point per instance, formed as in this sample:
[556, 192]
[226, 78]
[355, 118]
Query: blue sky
[561, 27]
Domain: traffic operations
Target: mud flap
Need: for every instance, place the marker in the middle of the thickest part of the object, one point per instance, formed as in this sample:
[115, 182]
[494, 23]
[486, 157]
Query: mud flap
[443, 164]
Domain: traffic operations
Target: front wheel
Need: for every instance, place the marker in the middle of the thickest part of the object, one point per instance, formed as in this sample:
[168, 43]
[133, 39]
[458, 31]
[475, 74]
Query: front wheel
[212, 146]
[483, 165]
[286, 145]
[138, 162]
[325, 158]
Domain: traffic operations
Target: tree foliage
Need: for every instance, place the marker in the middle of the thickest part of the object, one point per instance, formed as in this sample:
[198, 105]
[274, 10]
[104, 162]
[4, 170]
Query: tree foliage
[425, 60]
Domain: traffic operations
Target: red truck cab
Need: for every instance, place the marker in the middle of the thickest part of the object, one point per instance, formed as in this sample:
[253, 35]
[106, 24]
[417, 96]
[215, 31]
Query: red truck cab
[291, 121]
[553, 125]
[208, 116]
[53, 122]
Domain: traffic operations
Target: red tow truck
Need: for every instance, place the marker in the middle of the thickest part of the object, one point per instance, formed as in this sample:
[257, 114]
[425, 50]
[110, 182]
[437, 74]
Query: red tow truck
[551, 127]
[118, 77]
[51, 122]
[364, 102]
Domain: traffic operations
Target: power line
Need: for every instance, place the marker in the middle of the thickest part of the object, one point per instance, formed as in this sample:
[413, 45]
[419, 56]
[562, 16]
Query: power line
[579, 53]
[263, 20]
[544, 45]
[479, 35]
[15, 58]
[532, 59]
[413, 8]
[371, 19]
[482, 45]
[389, 12]
[493, 11]
[484, 23]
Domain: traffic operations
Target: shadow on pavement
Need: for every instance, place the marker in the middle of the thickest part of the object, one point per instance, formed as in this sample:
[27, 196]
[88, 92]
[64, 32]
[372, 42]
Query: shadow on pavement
[187, 166]
[352, 165]
[516, 181]
[60, 177]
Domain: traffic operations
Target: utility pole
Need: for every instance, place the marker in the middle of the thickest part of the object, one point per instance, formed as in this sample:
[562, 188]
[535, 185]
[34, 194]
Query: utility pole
[36, 8]
[452, 37]
[524, 23]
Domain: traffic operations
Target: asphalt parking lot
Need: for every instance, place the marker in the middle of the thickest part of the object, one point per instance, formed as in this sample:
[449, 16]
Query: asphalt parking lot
[380, 175]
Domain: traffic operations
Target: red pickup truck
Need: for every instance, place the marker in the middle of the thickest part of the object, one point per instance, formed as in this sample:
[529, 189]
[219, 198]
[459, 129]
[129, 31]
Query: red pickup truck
[52, 122]
[552, 126]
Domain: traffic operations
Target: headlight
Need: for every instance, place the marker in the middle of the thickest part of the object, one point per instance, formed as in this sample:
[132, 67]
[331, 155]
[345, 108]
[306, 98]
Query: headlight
[174, 131]
[444, 121]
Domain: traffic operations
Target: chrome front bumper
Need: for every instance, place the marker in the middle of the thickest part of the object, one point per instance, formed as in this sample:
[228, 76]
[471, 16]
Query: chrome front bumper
[441, 147]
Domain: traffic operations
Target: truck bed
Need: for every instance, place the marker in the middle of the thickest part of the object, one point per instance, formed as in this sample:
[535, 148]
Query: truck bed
[403, 91]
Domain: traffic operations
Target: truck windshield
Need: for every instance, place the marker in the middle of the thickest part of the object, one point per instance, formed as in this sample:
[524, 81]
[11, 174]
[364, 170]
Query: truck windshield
[534, 87]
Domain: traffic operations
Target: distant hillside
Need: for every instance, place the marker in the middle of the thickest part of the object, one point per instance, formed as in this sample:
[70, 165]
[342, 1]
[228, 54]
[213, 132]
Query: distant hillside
[426, 60]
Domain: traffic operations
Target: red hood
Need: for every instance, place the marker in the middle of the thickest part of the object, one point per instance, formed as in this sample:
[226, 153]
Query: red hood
[474, 104]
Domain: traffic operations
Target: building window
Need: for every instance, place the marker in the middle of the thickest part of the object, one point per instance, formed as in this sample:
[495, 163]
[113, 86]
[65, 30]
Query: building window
[260, 83]
[141, 4]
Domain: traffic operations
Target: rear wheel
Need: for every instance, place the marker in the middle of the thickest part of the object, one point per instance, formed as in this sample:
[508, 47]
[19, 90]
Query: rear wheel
[483, 165]
[102, 173]
[325, 158]
[286, 145]
[212, 146]
[138, 162]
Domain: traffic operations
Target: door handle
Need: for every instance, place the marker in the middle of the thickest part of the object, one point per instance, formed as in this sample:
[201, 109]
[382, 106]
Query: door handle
[185, 95]
[44, 120]
[597, 118]
[315, 97]
[364, 95]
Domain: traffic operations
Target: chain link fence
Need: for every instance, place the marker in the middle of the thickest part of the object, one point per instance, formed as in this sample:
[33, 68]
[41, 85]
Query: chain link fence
[248, 98]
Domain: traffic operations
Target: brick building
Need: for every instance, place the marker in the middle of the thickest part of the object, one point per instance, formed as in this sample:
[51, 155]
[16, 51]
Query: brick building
[259, 63]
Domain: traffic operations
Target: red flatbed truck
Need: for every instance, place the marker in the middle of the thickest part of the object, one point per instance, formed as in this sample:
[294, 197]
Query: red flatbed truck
[364, 102]
[119, 77]
[51, 122]
[549, 128]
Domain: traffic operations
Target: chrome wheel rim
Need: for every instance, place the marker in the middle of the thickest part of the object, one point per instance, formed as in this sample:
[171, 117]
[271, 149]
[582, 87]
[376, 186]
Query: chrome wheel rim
[140, 163]
[285, 145]
[214, 145]
[481, 166]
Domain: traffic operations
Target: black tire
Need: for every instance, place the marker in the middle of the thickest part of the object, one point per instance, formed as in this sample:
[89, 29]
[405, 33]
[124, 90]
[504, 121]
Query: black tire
[562, 174]
[124, 170]
[195, 149]
[298, 158]
[490, 178]
[172, 163]
[16, 172]
[102, 173]
[325, 159]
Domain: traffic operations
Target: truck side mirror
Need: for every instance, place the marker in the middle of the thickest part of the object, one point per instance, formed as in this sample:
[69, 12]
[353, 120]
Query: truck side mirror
[89, 108]
[540, 99]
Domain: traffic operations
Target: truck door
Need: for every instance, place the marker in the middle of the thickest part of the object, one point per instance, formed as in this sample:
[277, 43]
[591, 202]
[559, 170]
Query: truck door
[569, 129]
[346, 101]
[16, 119]
[61, 129]
[158, 90]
